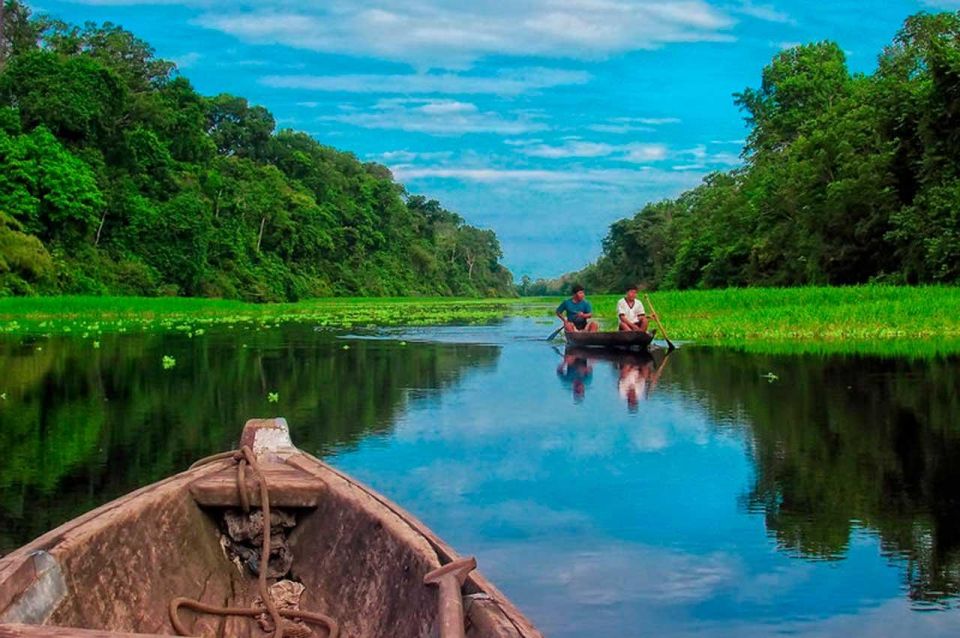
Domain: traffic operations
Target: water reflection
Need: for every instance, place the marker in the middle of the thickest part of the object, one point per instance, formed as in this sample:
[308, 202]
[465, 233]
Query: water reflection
[575, 372]
[637, 371]
[711, 492]
[846, 443]
[81, 424]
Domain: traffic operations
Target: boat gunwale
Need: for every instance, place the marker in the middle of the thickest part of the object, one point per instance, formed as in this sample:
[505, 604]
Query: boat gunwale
[71, 533]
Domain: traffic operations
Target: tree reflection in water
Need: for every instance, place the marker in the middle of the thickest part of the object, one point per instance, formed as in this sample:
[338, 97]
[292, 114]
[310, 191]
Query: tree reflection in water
[81, 425]
[845, 442]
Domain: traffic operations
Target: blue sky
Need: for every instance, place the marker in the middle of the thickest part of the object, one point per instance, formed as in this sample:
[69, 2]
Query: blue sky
[545, 121]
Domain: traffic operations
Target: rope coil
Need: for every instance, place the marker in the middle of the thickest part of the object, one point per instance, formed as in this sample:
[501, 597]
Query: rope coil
[243, 457]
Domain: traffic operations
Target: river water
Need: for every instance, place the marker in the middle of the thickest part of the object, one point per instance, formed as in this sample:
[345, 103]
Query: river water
[713, 492]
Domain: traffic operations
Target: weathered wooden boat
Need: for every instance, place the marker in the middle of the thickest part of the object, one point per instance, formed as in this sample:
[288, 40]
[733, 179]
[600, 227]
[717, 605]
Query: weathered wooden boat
[193, 555]
[614, 339]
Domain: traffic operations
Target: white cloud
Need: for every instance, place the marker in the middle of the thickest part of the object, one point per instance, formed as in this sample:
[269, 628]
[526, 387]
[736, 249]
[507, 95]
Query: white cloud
[699, 159]
[765, 12]
[573, 178]
[522, 142]
[186, 60]
[728, 159]
[622, 125]
[452, 34]
[409, 156]
[652, 121]
[438, 117]
[645, 152]
[571, 148]
[575, 147]
[620, 129]
[448, 107]
[512, 82]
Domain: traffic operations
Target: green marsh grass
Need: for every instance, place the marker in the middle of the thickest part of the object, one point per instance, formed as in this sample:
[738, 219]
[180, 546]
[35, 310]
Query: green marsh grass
[90, 316]
[883, 320]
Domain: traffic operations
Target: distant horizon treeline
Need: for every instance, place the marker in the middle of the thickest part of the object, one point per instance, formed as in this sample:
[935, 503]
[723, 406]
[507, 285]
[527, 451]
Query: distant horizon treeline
[117, 177]
[847, 179]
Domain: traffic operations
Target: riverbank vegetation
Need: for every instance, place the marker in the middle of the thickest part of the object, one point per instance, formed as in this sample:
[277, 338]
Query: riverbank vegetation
[117, 177]
[90, 316]
[886, 320]
[847, 178]
[889, 320]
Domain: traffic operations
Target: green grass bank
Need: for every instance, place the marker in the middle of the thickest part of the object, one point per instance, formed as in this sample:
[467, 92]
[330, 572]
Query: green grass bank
[885, 320]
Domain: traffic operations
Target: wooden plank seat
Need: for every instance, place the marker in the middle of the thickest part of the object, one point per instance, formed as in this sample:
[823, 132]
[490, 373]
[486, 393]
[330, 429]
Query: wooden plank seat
[288, 487]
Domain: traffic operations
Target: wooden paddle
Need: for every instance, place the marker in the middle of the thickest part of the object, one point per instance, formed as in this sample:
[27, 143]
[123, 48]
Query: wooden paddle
[656, 318]
[555, 333]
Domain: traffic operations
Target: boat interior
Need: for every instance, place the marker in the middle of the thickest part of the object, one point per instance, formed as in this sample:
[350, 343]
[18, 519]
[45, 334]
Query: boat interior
[340, 549]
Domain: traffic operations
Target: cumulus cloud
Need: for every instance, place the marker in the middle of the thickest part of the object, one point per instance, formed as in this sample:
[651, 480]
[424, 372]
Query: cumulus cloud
[451, 34]
[438, 117]
[507, 83]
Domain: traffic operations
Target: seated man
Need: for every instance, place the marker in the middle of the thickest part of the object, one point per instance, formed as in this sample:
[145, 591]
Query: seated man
[631, 313]
[578, 311]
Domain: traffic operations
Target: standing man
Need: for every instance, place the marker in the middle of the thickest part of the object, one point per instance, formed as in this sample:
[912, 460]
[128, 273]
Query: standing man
[631, 313]
[578, 310]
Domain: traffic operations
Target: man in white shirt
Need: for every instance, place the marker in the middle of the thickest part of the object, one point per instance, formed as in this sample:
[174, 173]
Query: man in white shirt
[631, 313]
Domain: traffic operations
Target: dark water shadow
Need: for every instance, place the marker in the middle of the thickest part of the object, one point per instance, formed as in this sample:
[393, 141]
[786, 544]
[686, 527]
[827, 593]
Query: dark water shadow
[81, 424]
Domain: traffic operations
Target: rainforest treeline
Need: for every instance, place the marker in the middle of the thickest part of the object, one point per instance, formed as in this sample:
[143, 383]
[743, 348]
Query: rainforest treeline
[847, 179]
[117, 177]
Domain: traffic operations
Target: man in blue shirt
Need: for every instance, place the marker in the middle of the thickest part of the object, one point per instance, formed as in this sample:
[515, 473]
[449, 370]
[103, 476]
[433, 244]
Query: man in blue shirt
[578, 311]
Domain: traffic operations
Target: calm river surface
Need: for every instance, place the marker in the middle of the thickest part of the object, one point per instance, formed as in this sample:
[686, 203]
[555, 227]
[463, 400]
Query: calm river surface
[605, 496]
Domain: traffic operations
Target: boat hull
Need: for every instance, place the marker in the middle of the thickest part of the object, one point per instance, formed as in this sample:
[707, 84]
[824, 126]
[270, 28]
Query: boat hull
[619, 339]
[362, 559]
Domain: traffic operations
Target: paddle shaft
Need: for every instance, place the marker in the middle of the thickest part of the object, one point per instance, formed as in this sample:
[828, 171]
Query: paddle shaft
[555, 333]
[656, 318]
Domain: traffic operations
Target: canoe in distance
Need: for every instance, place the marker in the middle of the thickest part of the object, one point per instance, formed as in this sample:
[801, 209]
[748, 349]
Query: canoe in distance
[613, 339]
[337, 549]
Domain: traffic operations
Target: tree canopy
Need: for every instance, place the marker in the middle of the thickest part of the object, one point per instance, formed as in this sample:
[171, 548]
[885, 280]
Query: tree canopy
[116, 176]
[847, 178]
